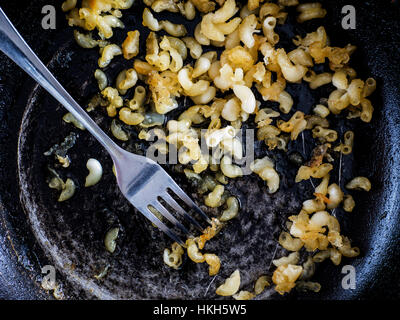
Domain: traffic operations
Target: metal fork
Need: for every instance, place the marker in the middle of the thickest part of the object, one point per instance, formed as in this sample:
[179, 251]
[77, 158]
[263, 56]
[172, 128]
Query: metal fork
[141, 180]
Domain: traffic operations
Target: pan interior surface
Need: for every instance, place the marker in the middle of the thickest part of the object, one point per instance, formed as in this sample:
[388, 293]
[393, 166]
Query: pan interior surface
[72, 232]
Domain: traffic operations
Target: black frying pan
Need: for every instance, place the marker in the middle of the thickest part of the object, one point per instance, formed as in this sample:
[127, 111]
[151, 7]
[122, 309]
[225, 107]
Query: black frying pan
[35, 230]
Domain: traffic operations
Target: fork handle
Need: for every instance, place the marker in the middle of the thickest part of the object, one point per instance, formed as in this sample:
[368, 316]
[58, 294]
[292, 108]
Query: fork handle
[15, 47]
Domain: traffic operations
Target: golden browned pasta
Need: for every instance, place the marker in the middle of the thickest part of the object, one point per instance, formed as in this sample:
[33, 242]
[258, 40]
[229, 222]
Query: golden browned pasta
[284, 277]
[214, 263]
[130, 46]
[318, 172]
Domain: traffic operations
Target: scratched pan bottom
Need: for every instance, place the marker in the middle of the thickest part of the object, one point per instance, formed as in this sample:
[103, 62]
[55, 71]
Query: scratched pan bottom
[72, 233]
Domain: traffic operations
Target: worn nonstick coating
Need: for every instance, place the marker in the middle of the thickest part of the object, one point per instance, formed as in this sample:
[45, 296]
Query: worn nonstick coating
[76, 228]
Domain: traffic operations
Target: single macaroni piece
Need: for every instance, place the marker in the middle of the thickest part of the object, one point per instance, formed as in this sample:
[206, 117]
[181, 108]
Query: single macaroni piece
[231, 284]
[320, 80]
[292, 258]
[204, 6]
[201, 164]
[289, 243]
[173, 257]
[348, 203]
[101, 78]
[214, 198]
[264, 117]
[194, 47]
[246, 29]
[107, 54]
[193, 251]
[118, 132]
[130, 117]
[193, 114]
[309, 11]
[285, 102]
[214, 137]
[126, 79]
[268, 26]
[86, 40]
[69, 118]
[335, 196]
[214, 263]
[110, 239]
[191, 88]
[261, 283]
[347, 250]
[95, 172]
[301, 57]
[308, 286]
[232, 209]
[369, 87]
[321, 256]
[265, 169]
[206, 96]
[243, 295]
[359, 183]
[68, 5]
[317, 172]
[188, 10]
[246, 96]
[230, 170]
[308, 269]
[200, 37]
[314, 205]
[321, 110]
[314, 120]
[366, 110]
[201, 66]
[130, 46]
[139, 98]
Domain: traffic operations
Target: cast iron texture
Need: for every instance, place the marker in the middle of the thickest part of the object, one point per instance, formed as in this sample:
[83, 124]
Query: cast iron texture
[77, 228]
